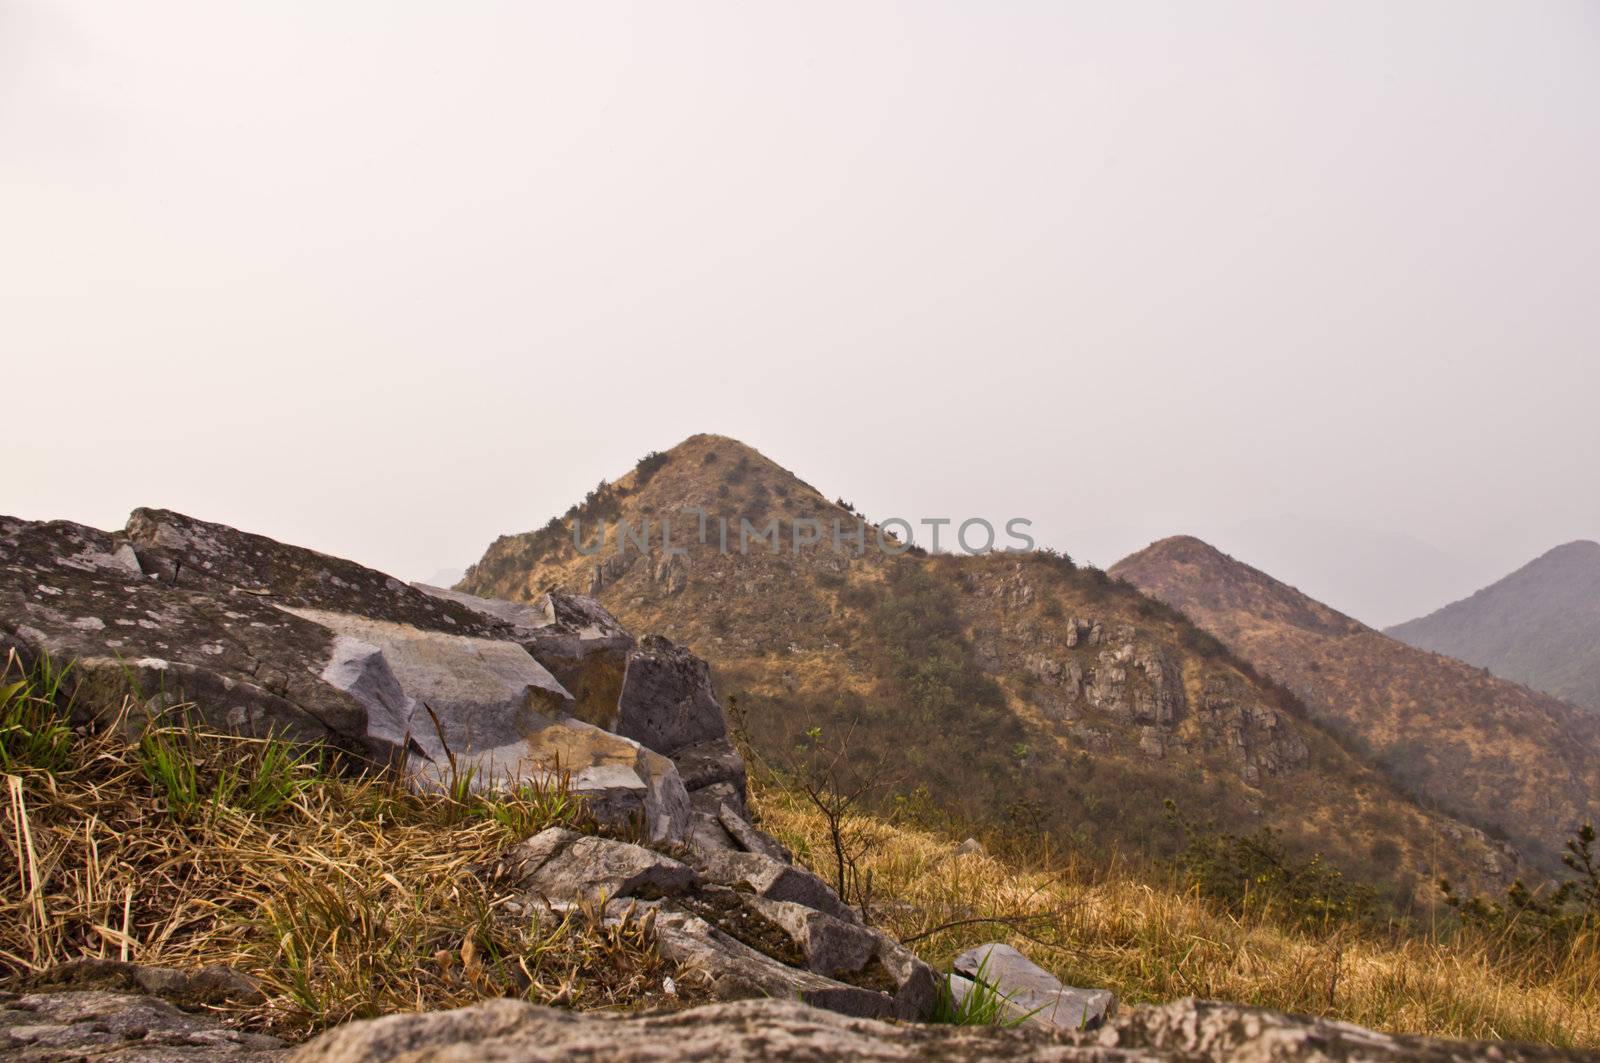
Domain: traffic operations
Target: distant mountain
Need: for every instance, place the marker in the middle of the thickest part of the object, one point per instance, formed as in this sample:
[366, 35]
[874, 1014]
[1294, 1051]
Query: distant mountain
[445, 577]
[1377, 575]
[1006, 691]
[1540, 626]
[1525, 765]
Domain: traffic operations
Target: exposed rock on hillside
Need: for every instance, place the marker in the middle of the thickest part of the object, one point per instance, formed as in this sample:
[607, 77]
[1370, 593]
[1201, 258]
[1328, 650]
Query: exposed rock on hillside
[581, 644]
[1498, 754]
[260, 637]
[362, 661]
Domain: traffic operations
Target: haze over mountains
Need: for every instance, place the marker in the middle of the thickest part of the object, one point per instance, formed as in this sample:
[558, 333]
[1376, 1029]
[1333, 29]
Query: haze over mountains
[1522, 764]
[1539, 626]
[1012, 690]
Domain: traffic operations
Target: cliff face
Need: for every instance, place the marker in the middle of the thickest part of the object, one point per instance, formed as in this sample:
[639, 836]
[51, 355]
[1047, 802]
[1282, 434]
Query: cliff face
[1520, 763]
[1539, 626]
[1012, 690]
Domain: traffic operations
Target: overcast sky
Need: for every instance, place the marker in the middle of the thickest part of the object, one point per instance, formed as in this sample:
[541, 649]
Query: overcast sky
[1318, 282]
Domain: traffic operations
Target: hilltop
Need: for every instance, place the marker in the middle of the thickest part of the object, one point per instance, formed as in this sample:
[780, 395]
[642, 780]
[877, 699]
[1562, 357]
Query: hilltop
[1521, 764]
[1016, 694]
[1539, 626]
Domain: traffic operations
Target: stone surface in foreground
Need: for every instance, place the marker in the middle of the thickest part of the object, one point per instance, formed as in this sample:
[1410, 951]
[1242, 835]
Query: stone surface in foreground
[504, 1030]
[94, 1024]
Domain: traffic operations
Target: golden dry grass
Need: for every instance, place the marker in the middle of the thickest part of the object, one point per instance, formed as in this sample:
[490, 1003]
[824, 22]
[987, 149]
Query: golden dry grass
[1148, 939]
[352, 898]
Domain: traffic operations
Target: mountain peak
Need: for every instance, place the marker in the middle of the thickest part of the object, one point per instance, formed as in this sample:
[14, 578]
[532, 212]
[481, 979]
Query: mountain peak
[1190, 573]
[1578, 549]
[1539, 626]
[1518, 760]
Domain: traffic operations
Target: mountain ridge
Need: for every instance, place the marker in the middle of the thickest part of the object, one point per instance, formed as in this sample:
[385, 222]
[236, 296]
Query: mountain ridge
[1538, 626]
[1074, 702]
[1519, 763]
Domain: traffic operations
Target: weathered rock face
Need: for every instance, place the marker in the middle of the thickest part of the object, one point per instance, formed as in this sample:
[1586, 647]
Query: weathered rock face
[1257, 735]
[563, 866]
[723, 964]
[667, 702]
[181, 551]
[482, 693]
[766, 929]
[264, 637]
[81, 595]
[501, 1031]
[582, 645]
[1031, 993]
[766, 876]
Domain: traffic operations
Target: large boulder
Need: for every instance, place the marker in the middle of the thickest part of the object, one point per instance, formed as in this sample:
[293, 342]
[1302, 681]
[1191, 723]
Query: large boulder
[582, 644]
[667, 704]
[182, 551]
[80, 595]
[1029, 992]
[455, 692]
[259, 637]
[783, 1028]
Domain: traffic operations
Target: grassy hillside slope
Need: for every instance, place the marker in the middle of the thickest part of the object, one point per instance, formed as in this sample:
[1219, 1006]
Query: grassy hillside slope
[1016, 692]
[1522, 764]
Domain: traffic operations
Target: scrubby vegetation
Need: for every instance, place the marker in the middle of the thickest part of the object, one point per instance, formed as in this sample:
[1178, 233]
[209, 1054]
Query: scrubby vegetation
[346, 896]
[1152, 935]
[350, 896]
[1542, 923]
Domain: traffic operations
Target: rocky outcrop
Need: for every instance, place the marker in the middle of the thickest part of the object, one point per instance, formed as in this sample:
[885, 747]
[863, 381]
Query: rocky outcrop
[736, 923]
[82, 595]
[181, 551]
[667, 704]
[562, 866]
[582, 644]
[500, 1031]
[1258, 736]
[255, 636]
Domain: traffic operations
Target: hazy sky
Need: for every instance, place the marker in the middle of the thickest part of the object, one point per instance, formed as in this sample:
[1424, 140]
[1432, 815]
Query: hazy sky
[1319, 282]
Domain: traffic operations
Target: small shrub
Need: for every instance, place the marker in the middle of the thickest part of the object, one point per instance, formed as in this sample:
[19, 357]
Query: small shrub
[1255, 875]
[648, 466]
[1057, 559]
[1543, 922]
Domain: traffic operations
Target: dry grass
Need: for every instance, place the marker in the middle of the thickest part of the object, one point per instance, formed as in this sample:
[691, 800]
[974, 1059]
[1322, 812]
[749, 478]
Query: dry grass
[351, 897]
[1150, 940]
